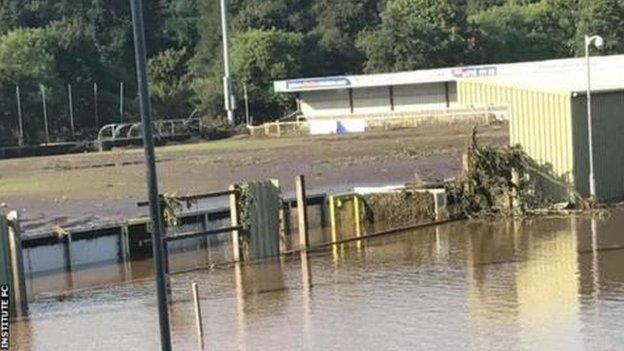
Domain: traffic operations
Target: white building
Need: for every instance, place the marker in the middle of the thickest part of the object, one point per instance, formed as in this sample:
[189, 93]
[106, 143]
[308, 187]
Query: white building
[361, 96]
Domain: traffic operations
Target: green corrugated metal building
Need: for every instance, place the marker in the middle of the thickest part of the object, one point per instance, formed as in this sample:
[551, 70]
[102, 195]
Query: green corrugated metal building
[548, 118]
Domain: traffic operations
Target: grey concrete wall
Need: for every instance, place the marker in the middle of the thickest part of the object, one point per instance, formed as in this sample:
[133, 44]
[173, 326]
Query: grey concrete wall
[368, 101]
[325, 103]
[423, 96]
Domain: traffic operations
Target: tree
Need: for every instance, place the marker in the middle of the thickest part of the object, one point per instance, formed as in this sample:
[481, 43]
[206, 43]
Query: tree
[287, 15]
[416, 34]
[475, 6]
[512, 33]
[169, 83]
[206, 65]
[28, 56]
[261, 56]
[85, 41]
[37, 13]
[604, 18]
[77, 57]
[181, 21]
[339, 23]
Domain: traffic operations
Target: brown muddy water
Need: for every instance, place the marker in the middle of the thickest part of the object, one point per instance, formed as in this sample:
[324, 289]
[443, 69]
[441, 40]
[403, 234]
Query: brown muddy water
[536, 284]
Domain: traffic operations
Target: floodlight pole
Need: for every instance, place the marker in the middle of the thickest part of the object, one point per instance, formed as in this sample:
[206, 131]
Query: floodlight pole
[121, 102]
[150, 164]
[228, 97]
[45, 114]
[20, 140]
[246, 105]
[598, 41]
[71, 110]
[95, 103]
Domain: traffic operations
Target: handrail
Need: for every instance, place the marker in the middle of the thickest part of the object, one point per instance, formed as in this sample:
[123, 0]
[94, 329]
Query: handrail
[161, 127]
[189, 235]
[289, 115]
[447, 112]
[398, 230]
[196, 197]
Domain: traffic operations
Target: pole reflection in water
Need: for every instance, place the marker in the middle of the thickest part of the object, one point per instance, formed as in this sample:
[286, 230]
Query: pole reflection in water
[68, 261]
[240, 301]
[306, 271]
[595, 263]
[257, 284]
[442, 247]
[306, 291]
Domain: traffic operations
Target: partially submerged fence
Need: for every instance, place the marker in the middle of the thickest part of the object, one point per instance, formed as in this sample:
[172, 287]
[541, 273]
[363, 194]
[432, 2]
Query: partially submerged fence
[351, 214]
[257, 223]
[259, 218]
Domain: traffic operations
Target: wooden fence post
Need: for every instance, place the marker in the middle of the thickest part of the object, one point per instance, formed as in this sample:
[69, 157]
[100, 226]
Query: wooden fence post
[356, 215]
[284, 217]
[306, 271]
[357, 219]
[302, 212]
[234, 222]
[17, 264]
[124, 248]
[332, 218]
[198, 318]
[68, 258]
[323, 215]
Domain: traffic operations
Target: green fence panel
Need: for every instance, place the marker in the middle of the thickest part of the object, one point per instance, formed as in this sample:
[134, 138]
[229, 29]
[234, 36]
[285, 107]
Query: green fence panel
[264, 219]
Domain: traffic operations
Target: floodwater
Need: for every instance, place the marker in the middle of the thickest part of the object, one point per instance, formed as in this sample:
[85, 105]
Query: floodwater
[536, 284]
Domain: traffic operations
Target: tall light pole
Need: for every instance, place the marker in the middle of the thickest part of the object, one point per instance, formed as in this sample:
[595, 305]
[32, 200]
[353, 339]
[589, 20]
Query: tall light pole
[45, 113]
[246, 105]
[228, 95]
[598, 42]
[95, 103]
[20, 139]
[121, 102]
[150, 165]
[71, 110]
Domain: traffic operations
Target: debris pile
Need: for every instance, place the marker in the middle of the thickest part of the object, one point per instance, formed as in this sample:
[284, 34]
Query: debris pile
[171, 206]
[398, 209]
[506, 181]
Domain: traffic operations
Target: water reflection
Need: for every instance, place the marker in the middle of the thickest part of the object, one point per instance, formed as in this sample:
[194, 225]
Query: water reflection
[534, 272]
[306, 295]
[541, 283]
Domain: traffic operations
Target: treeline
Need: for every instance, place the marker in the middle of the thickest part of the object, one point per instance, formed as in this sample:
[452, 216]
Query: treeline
[81, 42]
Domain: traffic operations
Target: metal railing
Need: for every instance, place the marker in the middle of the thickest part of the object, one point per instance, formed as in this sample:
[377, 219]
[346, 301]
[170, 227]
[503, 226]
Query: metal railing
[233, 193]
[162, 128]
[191, 198]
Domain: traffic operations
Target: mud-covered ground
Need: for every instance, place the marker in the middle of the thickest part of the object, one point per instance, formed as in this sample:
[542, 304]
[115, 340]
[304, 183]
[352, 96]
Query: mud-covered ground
[84, 189]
